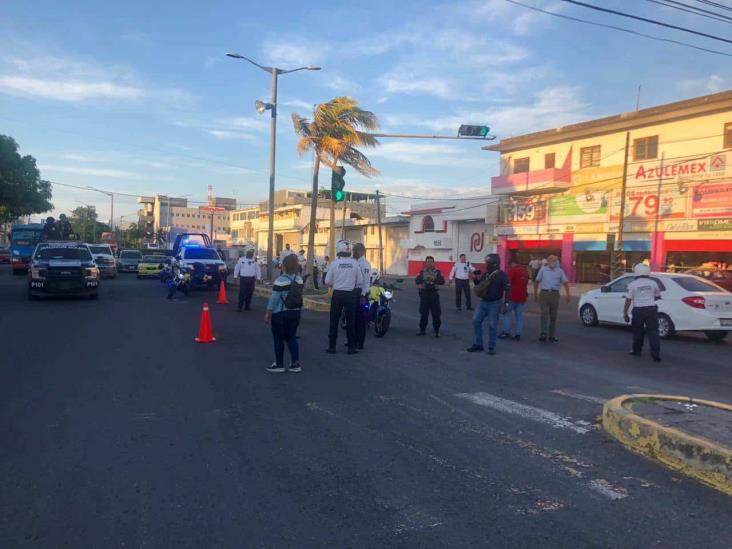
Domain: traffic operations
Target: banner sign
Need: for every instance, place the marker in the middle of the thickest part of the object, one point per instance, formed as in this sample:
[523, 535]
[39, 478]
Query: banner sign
[721, 224]
[711, 199]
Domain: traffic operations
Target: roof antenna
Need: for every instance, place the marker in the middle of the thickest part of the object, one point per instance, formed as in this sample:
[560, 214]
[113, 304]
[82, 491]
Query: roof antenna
[637, 99]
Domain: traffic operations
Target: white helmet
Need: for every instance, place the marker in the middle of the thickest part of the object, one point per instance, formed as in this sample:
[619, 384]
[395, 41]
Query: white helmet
[343, 247]
[641, 269]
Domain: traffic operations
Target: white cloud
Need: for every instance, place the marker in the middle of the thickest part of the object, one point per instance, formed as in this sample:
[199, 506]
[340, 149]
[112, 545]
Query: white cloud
[70, 80]
[297, 104]
[246, 123]
[426, 154]
[97, 172]
[410, 84]
[290, 55]
[224, 134]
[707, 84]
[79, 157]
[342, 84]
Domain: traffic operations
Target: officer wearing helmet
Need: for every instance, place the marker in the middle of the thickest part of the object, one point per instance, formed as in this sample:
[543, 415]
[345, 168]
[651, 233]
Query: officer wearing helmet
[493, 289]
[344, 276]
[50, 229]
[642, 293]
[361, 293]
[248, 271]
[64, 227]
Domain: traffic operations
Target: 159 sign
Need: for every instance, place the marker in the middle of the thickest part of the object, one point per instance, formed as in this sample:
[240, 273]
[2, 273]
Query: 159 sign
[523, 212]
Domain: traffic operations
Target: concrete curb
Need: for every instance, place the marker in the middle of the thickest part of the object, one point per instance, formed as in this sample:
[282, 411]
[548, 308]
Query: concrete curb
[308, 303]
[695, 456]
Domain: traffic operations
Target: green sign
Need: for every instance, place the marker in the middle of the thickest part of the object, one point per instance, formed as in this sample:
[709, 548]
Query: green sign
[720, 224]
[580, 204]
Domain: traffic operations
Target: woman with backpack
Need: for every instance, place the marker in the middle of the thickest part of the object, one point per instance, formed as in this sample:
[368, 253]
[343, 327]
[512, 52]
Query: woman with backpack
[283, 314]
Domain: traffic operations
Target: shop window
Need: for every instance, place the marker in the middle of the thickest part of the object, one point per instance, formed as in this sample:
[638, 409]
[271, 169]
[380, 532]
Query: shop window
[645, 148]
[428, 224]
[521, 165]
[728, 135]
[590, 156]
[549, 160]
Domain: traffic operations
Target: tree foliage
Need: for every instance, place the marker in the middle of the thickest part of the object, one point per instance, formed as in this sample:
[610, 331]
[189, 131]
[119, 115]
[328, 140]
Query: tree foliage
[84, 223]
[22, 191]
[334, 134]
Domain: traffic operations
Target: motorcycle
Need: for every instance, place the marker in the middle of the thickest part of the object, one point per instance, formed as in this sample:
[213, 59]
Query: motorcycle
[178, 282]
[377, 309]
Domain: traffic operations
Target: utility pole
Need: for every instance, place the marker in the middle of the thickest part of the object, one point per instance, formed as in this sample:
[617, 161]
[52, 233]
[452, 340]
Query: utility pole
[343, 220]
[621, 217]
[331, 233]
[381, 243]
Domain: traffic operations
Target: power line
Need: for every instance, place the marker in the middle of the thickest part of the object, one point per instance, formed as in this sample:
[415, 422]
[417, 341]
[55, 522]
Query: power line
[691, 9]
[714, 4]
[646, 20]
[621, 29]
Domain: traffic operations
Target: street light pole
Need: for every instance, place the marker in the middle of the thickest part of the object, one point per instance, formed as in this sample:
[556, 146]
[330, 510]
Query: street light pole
[261, 107]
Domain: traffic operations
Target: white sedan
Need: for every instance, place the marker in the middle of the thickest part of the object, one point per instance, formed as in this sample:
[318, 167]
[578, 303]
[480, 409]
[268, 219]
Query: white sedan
[688, 303]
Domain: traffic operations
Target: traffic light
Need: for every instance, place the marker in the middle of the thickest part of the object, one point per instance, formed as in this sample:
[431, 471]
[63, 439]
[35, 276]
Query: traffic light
[473, 131]
[337, 183]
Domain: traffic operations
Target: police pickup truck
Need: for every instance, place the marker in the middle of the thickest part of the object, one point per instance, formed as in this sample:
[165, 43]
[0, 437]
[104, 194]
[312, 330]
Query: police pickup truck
[62, 268]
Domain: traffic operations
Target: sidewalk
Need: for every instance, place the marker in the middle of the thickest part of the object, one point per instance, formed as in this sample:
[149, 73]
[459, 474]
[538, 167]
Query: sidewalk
[692, 436]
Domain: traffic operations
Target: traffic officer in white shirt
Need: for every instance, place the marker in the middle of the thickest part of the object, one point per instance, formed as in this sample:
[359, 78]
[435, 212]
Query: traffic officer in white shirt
[643, 292]
[344, 276]
[460, 273]
[361, 294]
[247, 270]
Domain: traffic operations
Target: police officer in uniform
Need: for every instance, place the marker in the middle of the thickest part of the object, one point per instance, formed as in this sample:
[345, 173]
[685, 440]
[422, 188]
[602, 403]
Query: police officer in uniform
[344, 276]
[248, 271]
[460, 273]
[429, 281]
[643, 292]
[64, 227]
[50, 229]
[361, 293]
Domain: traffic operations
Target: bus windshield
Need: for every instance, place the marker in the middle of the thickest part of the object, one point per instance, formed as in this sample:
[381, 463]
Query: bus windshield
[25, 237]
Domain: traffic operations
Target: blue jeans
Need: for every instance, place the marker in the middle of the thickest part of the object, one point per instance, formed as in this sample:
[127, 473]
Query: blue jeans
[516, 307]
[490, 310]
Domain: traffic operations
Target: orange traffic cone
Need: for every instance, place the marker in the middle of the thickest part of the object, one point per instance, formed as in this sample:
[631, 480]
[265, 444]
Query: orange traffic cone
[205, 333]
[222, 295]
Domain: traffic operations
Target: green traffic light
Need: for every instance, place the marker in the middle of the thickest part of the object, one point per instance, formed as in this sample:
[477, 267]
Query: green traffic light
[340, 196]
[484, 131]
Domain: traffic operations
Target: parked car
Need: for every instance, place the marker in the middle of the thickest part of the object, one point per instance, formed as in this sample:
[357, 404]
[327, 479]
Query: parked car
[4, 255]
[721, 277]
[128, 261]
[104, 259]
[688, 303]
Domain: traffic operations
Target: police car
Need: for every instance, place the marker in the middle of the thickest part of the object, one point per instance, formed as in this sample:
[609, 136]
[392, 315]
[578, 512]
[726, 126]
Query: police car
[62, 268]
[688, 303]
[204, 265]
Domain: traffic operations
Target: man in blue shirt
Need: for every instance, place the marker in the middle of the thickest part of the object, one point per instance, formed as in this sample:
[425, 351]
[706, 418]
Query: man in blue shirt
[493, 288]
[549, 281]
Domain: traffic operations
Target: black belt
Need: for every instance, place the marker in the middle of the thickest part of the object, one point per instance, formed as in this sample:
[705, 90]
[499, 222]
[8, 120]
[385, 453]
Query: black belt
[554, 291]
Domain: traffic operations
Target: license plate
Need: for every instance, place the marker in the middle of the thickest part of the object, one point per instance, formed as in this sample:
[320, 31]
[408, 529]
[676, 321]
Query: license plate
[726, 321]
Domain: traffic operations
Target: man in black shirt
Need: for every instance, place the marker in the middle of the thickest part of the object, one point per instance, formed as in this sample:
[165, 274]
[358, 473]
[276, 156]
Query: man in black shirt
[493, 288]
[429, 280]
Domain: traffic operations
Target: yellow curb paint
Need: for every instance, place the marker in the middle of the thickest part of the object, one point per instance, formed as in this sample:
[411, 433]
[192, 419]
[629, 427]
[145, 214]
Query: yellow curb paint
[695, 456]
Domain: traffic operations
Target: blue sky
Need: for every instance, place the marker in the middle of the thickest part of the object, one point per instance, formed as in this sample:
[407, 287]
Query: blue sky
[139, 97]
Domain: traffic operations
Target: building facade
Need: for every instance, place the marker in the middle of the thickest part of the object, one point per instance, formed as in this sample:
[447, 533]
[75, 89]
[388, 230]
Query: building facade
[562, 189]
[446, 229]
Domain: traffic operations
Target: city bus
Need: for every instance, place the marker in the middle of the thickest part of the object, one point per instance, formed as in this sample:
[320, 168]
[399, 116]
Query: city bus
[23, 240]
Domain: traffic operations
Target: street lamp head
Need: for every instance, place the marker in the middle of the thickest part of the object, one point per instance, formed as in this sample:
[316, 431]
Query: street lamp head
[235, 55]
[261, 106]
[311, 68]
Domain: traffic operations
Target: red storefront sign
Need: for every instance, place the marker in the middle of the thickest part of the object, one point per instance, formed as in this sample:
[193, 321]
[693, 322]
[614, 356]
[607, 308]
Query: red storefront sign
[711, 199]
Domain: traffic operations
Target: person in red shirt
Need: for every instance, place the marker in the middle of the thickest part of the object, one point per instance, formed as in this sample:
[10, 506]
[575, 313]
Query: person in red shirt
[518, 277]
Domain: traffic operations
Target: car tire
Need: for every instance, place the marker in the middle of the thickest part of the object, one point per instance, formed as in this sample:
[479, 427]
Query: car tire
[666, 328]
[588, 315]
[716, 335]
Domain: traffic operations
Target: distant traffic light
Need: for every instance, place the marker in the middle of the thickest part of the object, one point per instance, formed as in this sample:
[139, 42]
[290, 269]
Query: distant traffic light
[337, 183]
[473, 131]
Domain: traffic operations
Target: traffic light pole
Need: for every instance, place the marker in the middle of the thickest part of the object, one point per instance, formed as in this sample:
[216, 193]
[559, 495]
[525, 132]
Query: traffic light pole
[426, 136]
[381, 243]
[272, 144]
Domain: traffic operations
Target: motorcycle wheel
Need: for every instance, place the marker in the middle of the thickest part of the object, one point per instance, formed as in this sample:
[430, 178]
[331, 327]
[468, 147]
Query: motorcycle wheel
[381, 325]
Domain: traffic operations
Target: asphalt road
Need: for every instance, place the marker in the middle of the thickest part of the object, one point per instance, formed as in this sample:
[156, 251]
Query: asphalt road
[117, 430]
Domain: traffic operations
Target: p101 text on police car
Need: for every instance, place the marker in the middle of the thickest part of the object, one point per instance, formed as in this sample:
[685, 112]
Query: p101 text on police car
[62, 268]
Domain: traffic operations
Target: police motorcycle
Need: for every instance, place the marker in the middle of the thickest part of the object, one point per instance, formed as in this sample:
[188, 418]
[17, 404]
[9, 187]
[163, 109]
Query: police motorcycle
[377, 308]
[178, 280]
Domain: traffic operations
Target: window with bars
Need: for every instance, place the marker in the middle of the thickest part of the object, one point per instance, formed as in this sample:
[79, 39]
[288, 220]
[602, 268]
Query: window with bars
[521, 165]
[645, 148]
[549, 160]
[728, 136]
[590, 156]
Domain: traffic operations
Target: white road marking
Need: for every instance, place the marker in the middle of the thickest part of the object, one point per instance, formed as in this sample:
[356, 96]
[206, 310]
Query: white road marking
[606, 489]
[579, 396]
[527, 412]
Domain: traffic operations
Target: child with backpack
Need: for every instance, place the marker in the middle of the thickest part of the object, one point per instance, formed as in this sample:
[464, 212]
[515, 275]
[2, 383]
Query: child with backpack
[283, 314]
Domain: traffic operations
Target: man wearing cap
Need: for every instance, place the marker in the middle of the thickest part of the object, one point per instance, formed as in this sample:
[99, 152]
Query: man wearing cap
[643, 292]
[493, 288]
[547, 285]
[344, 276]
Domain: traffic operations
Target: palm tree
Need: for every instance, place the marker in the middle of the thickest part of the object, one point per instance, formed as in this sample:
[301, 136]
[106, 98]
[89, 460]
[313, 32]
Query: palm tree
[334, 135]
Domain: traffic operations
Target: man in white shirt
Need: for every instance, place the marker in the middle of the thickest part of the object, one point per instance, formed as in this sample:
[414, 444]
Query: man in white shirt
[642, 293]
[344, 276]
[361, 294]
[460, 273]
[247, 270]
[287, 251]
